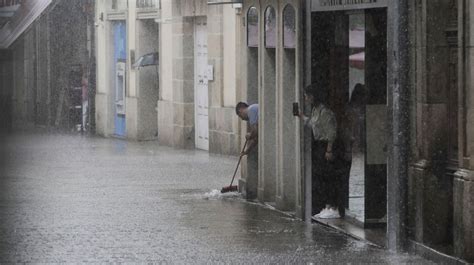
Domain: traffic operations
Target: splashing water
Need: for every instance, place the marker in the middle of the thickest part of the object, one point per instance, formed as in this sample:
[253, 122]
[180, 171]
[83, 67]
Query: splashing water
[216, 194]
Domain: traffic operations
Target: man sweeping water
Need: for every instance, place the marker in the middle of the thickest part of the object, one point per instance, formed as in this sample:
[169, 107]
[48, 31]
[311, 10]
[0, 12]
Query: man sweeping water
[249, 114]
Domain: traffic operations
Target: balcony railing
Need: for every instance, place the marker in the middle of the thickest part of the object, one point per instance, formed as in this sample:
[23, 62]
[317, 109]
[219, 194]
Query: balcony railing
[148, 3]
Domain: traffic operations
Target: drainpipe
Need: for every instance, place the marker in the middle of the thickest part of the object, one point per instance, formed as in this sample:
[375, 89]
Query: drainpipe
[307, 134]
[399, 124]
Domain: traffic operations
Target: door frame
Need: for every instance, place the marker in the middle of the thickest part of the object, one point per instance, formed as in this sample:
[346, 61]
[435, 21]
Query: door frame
[119, 118]
[204, 145]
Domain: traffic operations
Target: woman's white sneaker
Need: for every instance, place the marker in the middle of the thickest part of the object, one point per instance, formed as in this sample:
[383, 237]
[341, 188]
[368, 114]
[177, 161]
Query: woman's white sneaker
[323, 211]
[330, 214]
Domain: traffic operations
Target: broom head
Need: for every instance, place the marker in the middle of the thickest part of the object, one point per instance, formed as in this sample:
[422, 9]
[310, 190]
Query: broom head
[229, 189]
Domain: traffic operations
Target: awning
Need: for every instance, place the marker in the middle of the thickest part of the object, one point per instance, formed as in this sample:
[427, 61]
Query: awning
[357, 60]
[19, 18]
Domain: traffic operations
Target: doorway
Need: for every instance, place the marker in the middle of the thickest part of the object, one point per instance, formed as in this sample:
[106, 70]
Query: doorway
[350, 64]
[201, 95]
[119, 66]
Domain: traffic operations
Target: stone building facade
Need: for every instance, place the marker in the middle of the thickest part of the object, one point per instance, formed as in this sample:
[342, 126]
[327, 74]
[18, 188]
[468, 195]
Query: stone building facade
[187, 100]
[199, 76]
[425, 200]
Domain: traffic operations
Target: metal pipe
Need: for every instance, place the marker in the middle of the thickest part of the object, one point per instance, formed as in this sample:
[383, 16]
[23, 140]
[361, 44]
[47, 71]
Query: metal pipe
[307, 134]
[399, 124]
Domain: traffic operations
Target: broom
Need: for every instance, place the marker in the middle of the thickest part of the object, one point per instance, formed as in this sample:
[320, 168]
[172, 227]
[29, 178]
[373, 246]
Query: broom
[231, 188]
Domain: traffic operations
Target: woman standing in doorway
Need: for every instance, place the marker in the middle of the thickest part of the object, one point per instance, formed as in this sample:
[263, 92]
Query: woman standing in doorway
[325, 181]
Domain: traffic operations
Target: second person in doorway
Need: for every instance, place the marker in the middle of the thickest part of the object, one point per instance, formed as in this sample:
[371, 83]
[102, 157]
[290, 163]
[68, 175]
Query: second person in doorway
[325, 180]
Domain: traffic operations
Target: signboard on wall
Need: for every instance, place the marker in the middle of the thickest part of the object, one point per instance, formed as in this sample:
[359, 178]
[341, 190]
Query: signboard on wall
[335, 5]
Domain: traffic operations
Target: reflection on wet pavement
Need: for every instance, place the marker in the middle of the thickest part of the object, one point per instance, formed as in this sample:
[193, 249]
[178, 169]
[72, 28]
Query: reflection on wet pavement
[68, 198]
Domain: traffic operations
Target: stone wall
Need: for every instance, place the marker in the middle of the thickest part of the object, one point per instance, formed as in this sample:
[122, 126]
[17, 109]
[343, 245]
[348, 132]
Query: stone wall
[176, 125]
[440, 196]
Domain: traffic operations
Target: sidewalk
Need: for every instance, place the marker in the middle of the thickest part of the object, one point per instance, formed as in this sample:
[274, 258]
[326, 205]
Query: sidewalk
[70, 199]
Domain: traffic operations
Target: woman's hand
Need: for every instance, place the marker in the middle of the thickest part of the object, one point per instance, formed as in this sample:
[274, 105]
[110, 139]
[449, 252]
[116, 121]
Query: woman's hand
[301, 115]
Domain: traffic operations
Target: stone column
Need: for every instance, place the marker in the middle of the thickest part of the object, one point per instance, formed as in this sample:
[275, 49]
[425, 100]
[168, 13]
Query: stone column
[397, 85]
[131, 100]
[288, 129]
[430, 186]
[104, 49]
[267, 111]
[463, 186]
[176, 104]
[248, 184]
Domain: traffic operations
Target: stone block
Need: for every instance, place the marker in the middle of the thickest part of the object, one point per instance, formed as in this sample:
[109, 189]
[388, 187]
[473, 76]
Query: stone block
[219, 119]
[468, 218]
[436, 208]
[188, 112]
[177, 48]
[212, 118]
[183, 91]
[462, 231]
[183, 137]
[188, 68]
[214, 9]
[433, 131]
[188, 46]
[188, 91]
[178, 90]
[101, 104]
[234, 144]
[131, 118]
[165, 113]
[437, 76]
[215, 44]
[215, 24]
[165, 123]
[183, 27]
[216, 142]
[227, 120]
[178, 68]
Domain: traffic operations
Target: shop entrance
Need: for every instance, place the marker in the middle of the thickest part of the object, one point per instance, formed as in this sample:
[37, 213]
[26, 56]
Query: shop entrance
[349, 50]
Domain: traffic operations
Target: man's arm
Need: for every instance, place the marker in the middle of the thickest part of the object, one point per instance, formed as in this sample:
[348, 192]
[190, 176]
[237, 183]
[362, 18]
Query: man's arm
[252, 138]
[253, 132]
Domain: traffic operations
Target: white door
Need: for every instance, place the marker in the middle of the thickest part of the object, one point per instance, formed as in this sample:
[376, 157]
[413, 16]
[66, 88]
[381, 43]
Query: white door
[201, 95]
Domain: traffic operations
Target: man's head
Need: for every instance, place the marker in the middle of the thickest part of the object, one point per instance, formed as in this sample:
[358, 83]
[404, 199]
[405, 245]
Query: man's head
[241, 110]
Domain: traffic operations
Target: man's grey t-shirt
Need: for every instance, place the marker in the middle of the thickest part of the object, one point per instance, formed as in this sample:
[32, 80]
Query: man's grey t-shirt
[252, 113]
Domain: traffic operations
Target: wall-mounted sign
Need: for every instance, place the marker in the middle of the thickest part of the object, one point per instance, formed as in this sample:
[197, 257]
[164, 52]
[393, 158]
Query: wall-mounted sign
[334, 5]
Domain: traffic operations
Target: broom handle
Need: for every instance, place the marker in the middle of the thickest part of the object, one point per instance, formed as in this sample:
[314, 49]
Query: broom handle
[240, 158]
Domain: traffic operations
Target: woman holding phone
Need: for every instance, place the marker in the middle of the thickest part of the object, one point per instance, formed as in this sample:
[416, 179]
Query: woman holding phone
[324, 130]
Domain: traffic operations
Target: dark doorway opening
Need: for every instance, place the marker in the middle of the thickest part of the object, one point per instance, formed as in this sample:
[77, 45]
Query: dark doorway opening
[349, 63]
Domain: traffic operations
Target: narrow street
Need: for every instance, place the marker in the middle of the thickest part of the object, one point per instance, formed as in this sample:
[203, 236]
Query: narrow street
[71, 198]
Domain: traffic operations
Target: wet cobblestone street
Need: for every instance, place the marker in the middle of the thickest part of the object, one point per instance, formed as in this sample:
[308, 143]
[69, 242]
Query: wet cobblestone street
[71, 198]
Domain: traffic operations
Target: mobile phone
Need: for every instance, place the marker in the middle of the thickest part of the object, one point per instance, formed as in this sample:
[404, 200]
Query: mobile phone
[296, 109]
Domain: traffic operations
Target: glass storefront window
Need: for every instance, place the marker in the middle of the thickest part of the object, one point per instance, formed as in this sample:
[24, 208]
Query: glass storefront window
[270, 27]
[289, 27]
[252, 27]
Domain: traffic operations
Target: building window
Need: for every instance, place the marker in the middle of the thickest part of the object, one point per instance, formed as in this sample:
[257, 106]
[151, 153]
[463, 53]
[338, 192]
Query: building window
[148, 3]
[289, 27]
[270, 27]
[252, 27]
